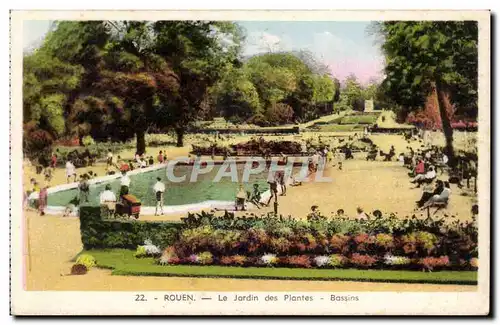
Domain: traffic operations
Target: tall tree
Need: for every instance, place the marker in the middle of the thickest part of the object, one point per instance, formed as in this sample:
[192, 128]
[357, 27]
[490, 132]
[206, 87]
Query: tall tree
[353, 93]
[199, 53]
[235, 96]
[440, 56]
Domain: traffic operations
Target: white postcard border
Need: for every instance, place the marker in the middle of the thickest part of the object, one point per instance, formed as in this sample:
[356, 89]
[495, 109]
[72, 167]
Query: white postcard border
[123, 303]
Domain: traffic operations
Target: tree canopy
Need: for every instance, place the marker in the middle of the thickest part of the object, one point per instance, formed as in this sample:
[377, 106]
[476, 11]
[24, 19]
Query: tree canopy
[437, 56]
[118, 78]
[253, 91]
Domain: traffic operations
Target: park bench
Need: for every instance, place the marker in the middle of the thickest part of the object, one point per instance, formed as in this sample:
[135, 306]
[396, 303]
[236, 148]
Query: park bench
[438, 206]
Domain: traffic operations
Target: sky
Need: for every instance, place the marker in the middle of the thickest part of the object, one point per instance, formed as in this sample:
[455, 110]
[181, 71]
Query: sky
[345, 47]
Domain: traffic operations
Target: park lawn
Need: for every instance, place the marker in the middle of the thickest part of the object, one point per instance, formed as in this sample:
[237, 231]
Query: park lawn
[123, 262]
[359, 119]
[336, 127]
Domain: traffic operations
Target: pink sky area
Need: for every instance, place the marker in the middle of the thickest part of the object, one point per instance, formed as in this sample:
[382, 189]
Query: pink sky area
[364, 70]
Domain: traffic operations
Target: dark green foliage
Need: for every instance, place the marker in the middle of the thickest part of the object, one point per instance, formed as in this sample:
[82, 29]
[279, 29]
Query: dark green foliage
[423, 57]
[99, 233]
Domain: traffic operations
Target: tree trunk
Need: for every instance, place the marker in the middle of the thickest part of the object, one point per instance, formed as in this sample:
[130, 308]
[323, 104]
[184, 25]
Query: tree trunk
[141, 141]
[446, 125]
[180, 137]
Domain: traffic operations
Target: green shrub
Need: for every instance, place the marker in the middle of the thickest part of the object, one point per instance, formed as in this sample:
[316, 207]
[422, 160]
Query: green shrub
[88, 141]
[87, 260]
[385, 241]
[205, 258]
[426, 240]
[140, 252]
[337, 260]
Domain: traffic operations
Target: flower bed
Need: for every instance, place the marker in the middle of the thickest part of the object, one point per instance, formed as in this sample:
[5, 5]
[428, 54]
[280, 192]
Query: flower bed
[380, 243]
[385, 242]
[252, 147]
[272, 147]
[123, 262]
[211, 150]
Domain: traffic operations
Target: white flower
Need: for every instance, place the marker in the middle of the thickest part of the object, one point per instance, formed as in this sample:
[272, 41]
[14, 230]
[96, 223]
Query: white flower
[269, 259]
[396, 260]
[322, 260]
[152, 250]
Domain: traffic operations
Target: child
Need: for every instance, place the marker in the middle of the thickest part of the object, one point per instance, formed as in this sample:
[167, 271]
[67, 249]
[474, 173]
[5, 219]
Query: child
[315, 215]
[53, 160]
[255, 197]
[48, 175]
[160, 157]
[71, 208]
[84, 188]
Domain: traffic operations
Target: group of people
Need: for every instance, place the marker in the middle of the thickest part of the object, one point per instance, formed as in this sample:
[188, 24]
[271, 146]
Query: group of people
[423, 165]
[319, 158]
[139, 161]
[108, 199]
[316, 215]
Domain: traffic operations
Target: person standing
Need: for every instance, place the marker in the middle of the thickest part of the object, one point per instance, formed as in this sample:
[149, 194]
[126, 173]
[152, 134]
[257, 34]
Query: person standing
[42, 200]
[48, 175]
[53, 160]
[107, 200]
[159, 189]
[70, 171]
[124, 184]
[273, 187]
[84, 188]
[329, 156]
[315, 161]
[281, 180]
[255, 196]
[160, 157]
[109, 160]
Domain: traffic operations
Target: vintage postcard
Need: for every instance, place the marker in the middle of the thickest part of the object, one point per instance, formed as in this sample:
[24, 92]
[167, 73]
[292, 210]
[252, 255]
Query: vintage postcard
[250, 162]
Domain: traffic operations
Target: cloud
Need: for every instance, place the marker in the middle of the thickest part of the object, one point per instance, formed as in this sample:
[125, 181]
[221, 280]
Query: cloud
[326, 45]
[262, 41]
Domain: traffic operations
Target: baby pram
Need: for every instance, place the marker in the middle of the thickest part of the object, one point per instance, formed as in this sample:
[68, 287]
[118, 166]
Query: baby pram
[128, 206]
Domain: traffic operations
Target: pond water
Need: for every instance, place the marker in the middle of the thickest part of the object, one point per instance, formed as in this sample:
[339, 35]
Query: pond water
[186, 192]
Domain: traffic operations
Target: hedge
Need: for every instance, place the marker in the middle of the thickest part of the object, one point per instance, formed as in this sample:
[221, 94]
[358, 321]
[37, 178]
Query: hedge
[98, 233]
